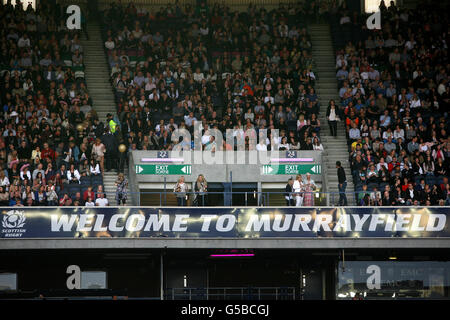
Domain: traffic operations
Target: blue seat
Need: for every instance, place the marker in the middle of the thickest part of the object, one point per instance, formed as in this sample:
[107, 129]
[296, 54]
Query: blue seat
[430, 180]
[383, 185]
[67, 188]
[95, 184]
[85, 180]
[74, 189]
[97, 179]
[373, 185]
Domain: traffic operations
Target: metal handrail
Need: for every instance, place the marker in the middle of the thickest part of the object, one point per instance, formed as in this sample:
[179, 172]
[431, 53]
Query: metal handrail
[231, 292]
[325, 198]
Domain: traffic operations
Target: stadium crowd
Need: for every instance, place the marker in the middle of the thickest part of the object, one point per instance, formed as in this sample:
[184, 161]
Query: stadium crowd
[52, 145]
[224, 69]
[394, 99]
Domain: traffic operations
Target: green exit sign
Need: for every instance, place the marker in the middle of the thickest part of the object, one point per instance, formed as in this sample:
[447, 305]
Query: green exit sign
[164, 169]
[292, 169]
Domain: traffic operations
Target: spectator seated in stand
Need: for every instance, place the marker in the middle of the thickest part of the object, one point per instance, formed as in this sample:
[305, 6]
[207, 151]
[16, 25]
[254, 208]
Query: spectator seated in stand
[224, 69]
[47, 125]
[394, 89]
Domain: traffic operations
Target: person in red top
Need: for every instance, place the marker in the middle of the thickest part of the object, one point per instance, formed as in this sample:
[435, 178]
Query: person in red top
[393, 164]
[47, 152]
[246, 89]
[405, 184]
[65, 200]
[89, 193]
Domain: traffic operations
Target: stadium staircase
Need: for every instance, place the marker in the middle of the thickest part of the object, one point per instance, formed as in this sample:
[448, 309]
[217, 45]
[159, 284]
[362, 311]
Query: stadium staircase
[97, 73]
[336, 148]
[97, 77]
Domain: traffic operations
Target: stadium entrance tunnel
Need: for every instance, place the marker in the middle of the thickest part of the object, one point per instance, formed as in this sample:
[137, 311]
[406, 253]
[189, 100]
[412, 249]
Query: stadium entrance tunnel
[224, 274]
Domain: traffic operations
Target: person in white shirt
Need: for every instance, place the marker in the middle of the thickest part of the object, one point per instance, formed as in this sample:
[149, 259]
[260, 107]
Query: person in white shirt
[415, 102]
[261, 146]
[198, 75]
[181, 190]
[101, 201]
[73, 176]
[190, 119]
[284, 145]
[269, 98]
[24, 41]
[89, 203]
[298, 189]
[4, 181]
[161, 126]
[399, 133]
[382, 164]
[205, 138]
[317, 145]
[94, 168]
[109, 44]
[25, 174]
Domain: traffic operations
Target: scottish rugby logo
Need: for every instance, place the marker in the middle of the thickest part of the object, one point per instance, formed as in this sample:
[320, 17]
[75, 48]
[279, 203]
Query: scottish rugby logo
[13, 224]
[14, 219]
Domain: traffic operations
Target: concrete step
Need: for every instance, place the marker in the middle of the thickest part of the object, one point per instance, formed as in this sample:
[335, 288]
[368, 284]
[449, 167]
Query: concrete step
[321, 42]
[328, 96]
[326, 78]
[324, 50]
[98, 67]
[333, 153]
[327, 89]
[104, 106]
[99, 70]
[97, 64]
[335, 139]
[103, 98]
[98, 78]
[327, 65]
[334, 148]
[98, 87]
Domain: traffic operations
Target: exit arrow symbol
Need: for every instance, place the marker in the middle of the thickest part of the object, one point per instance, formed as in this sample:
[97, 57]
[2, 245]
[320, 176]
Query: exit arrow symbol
[269, 169]
[313, 169]
[183, 169]
[139, 169]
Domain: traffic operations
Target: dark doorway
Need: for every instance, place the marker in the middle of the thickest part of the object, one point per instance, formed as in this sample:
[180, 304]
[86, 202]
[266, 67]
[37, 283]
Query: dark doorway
[245, 194]
[312, 283]
[215, 194]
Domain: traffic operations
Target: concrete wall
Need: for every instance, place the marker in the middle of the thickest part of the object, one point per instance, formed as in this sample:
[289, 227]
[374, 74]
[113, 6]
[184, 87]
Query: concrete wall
[180, 243]
[246, 166]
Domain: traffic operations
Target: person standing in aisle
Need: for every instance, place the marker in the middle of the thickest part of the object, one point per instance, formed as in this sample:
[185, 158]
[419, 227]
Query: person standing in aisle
[298, 189]
[333, 117]
[289, 193]
[342, 180]
[181, 189]
[309, 186]
[201, 188]
[121, 192]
